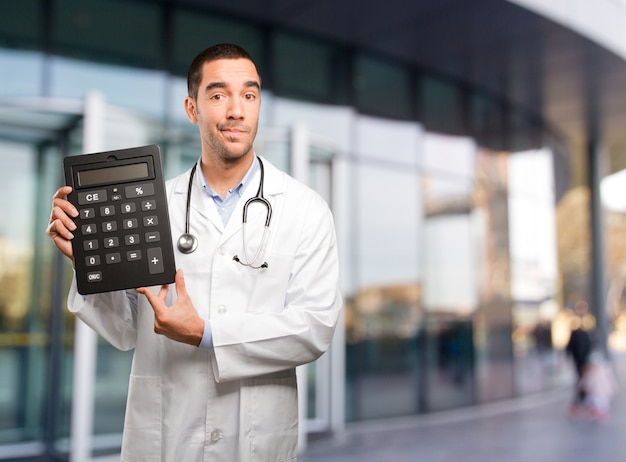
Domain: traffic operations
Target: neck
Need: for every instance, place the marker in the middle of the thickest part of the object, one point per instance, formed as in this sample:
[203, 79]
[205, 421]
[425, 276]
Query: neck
[223, 176]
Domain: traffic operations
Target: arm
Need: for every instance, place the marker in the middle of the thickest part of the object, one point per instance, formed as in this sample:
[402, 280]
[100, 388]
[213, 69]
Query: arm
[112, 315]
[263, 339]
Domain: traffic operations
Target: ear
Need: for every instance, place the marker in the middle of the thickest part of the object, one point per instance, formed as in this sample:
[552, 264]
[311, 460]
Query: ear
[190, 109]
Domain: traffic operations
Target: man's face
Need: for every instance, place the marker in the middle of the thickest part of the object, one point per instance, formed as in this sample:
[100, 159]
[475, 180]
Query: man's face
[227, 108]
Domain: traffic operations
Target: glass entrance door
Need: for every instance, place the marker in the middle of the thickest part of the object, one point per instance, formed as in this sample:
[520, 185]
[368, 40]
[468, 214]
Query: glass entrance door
[34, 401]
[36, 330]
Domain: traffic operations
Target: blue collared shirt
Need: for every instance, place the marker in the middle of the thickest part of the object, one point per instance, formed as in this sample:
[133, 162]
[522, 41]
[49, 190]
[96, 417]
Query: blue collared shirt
[225, 207]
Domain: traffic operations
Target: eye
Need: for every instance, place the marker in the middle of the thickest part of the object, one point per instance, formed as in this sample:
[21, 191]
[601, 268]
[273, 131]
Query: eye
[250, 96]
[217, 97]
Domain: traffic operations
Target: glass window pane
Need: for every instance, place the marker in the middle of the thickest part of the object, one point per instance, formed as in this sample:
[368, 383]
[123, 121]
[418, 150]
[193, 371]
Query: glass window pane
[194, 31]
[134, 89]
[388, 140]
[20, 24]
[114, 31]
[20, 73]
[494, 370]
[534, 280]
[382, 88]
[302, 68]
[25, 293]
[383, 316]
[449, 261]
[441, 108]
[453, 155]
[486, 121]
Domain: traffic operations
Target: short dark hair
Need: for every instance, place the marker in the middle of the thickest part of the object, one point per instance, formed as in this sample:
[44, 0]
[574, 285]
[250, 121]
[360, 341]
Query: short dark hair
[213, 53]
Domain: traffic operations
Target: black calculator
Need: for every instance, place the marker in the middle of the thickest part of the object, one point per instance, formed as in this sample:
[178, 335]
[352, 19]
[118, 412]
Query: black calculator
[123, 238]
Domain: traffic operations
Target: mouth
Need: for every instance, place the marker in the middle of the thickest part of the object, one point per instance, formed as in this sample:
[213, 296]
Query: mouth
[234, 131]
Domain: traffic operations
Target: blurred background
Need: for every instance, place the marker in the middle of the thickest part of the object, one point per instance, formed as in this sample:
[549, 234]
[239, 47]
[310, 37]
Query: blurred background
[470, 150]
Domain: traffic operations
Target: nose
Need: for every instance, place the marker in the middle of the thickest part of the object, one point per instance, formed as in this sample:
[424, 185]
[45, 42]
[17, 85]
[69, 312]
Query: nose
[235, 108]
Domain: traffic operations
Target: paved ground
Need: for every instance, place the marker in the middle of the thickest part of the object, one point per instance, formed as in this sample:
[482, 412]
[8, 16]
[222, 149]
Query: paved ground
[531, 429]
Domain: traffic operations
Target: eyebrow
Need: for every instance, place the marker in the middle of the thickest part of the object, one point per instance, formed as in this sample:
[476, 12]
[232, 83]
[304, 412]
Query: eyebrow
[248, 84]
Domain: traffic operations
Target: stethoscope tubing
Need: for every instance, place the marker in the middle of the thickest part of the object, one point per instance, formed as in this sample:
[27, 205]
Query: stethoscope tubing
[187, 242]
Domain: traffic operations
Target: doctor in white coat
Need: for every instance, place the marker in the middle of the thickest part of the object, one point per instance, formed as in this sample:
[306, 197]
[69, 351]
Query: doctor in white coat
[213, 373]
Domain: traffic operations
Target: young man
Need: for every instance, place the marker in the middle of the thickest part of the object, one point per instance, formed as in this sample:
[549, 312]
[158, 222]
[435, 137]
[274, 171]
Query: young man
[213, 374]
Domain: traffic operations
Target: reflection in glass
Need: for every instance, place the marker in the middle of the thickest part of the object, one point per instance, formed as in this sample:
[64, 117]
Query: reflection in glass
[383, 317]
[450, 294]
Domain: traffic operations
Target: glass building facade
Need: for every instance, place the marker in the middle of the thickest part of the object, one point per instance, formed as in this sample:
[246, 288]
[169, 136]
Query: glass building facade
[445, 199]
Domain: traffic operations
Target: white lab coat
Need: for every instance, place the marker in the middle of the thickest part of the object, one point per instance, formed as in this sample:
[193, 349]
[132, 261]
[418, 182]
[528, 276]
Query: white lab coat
[238, 403]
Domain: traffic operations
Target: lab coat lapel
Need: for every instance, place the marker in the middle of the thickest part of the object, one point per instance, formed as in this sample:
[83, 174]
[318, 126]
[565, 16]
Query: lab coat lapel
[201, 202]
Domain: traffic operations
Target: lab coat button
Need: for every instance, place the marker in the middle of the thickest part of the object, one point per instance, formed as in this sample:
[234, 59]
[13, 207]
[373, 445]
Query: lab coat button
[221, 250]
[221, 309]
[216, 435]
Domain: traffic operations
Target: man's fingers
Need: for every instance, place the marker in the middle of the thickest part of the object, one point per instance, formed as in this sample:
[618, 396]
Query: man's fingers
[179, 280]
[156, 301]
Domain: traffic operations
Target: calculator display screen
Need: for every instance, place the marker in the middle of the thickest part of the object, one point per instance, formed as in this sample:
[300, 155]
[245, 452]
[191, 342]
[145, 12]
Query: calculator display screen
[113, 174]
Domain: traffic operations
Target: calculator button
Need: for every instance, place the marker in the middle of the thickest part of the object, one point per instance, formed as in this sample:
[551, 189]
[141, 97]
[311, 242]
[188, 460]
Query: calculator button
[150, 221]
[133, 255]
[107, 210]
[92, 197]
[139, 190]
[88, 229]
[94, 276]
[90, 244]
[129, 207]
[131, 239]
[155, 261]
[129, 223]
[153, 236]
[87, 213]
[146, 206]
[111, 242]
[109, 226]
[116, 194]
[93, 260]
[113, 258]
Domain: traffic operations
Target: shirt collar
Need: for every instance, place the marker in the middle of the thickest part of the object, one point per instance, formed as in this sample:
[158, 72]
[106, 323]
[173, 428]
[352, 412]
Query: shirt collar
[237, 189]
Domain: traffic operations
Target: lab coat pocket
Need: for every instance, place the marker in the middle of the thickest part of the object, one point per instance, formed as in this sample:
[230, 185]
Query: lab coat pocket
[142, 426]
[270, 285]
[273, 417]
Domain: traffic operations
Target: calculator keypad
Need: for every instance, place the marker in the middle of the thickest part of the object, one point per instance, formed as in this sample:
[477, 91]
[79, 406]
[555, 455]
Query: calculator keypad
[114, 223]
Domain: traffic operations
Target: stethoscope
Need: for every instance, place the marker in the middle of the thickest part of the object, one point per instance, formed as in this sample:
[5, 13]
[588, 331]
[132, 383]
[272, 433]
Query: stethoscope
[188, 243]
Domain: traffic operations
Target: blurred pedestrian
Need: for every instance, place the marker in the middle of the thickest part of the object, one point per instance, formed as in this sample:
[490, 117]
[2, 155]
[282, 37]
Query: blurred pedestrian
[599, 386]
[579, 348]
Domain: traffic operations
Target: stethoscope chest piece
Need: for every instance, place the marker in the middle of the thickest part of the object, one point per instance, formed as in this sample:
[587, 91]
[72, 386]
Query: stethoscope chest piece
[187, 243]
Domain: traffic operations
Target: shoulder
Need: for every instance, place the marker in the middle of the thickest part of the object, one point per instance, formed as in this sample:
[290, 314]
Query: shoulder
[294, 191]
[178, 183]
